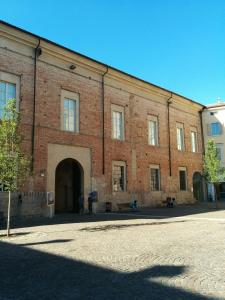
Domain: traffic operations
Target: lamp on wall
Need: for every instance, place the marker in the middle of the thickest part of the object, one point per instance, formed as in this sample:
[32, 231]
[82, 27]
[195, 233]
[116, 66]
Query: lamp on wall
[42, 173]
[72, 67]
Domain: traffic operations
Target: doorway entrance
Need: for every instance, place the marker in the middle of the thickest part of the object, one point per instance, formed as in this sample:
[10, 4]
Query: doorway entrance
[198, 186]
[68, 186]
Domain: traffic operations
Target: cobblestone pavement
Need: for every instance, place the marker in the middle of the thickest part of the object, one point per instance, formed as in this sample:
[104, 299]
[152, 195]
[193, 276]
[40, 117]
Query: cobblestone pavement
[156, 254]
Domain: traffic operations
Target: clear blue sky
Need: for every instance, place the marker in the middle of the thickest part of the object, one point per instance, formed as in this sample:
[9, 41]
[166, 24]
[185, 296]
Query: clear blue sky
[177, 44]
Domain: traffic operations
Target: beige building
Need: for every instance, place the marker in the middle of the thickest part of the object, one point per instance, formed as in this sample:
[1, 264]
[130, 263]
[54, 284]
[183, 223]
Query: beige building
[213, 117]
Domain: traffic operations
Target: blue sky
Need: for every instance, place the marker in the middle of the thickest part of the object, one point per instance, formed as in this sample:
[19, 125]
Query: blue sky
[177, 44]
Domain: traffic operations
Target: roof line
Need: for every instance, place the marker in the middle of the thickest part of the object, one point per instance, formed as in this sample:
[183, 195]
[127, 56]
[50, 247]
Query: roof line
[214, 105]
[96, 61]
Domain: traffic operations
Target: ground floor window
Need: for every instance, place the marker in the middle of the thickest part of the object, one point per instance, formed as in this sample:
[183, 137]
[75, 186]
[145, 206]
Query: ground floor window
[154, 178]
[183, 178]
[118, 176]
[2, 187]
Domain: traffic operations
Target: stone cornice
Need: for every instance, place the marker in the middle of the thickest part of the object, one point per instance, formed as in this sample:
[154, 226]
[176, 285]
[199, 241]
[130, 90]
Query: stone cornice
[70, 56]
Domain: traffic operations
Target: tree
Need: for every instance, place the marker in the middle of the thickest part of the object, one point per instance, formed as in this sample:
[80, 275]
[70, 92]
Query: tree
[212, 170]
[14, 164]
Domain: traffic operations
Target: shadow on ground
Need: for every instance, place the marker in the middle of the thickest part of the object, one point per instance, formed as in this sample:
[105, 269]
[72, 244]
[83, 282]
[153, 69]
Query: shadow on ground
[123, 226]
[144, 213]
[30, 274]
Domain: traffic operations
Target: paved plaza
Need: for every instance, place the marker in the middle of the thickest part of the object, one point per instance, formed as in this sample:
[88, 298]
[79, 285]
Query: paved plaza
[152, 254]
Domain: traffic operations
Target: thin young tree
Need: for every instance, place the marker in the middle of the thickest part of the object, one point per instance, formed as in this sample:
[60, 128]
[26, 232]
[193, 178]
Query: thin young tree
[14, 164]
[213, 171]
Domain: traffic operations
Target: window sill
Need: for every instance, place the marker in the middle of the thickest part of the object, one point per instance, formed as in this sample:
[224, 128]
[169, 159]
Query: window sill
[70, 132]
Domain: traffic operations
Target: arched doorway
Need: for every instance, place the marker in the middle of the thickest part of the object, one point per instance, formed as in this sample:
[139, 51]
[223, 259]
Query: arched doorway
[68, 186]
[198, 186]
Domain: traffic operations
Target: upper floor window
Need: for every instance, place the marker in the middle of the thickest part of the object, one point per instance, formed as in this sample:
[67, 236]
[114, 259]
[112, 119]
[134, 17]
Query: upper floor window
[118, 176]
[7, 92]
[215, 128]
[180, 136]
[154, 178]
[117, 122]
[153, 131]
[183, 178]
[9, 89]
[70, 111]
[194, 141]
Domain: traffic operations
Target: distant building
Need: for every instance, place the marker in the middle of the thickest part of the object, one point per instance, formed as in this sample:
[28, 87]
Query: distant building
[91, 127]
[214, 128]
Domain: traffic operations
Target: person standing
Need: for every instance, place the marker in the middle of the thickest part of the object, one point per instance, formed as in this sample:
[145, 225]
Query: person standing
[81, 204]
[90, 202]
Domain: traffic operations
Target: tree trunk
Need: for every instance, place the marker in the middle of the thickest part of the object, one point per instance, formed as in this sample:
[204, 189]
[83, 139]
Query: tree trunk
[8, 219]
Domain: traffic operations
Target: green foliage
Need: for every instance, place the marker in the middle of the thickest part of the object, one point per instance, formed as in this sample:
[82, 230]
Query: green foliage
[14, 164]
[213, 172]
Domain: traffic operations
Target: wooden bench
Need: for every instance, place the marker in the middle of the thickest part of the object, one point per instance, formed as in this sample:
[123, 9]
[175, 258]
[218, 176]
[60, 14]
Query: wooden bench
[123, 206]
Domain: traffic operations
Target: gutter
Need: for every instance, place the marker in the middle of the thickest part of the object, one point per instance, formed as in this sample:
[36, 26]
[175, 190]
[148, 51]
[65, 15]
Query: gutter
[202, 133]
[103, 120]
[37, 52]
[168, 128]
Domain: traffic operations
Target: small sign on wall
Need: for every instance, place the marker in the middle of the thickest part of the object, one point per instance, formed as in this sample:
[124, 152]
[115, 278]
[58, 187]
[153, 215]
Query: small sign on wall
[50, 198]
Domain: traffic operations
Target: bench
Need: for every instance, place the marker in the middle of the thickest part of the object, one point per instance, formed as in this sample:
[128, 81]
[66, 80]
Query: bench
[122, 206]
[128, 205]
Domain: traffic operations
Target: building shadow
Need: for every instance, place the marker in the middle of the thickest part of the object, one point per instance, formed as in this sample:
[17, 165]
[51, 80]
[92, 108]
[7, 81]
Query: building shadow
[28, 274]
[145, 213]
[58, 241]
[124, 226]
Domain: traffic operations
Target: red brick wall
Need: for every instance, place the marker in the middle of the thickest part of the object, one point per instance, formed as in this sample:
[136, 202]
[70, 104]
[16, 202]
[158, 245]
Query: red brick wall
[50, 81]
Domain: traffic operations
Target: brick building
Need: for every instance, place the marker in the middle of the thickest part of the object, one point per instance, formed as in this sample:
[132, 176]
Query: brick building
[92, 127]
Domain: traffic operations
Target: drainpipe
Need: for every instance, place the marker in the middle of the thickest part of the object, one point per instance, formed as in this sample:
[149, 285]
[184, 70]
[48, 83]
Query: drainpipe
[103, 120]
[202, 133]
[37, 52]
[168, 127]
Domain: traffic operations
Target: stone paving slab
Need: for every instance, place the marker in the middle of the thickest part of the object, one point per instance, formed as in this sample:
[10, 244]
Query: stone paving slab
[117, 256]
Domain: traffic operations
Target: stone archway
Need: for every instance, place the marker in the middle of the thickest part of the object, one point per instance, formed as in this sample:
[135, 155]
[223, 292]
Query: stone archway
[198, 186]
[58, 153]
[68, 185]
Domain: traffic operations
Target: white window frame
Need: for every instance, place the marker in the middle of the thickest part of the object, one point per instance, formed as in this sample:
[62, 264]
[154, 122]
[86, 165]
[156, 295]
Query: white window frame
[121, 164]
[158, 168]
[76, 98]
[180, 126]
[14, 79]
[154, 119]
[194, 131]
[118, 109]
[186, 181]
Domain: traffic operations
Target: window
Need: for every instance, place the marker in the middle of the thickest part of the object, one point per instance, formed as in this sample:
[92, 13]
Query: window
[154, 178]
[117, 122]
[70, 111]
[194, 141]
[183, 178]
[180, 137]
[153, 131]
[2, 188]
[7, 92]
[214, 129]
[219, 149]
[118, 176]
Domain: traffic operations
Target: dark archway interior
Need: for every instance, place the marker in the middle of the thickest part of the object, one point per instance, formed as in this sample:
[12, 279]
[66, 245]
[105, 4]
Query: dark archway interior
[198, 186]
[68, 186]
